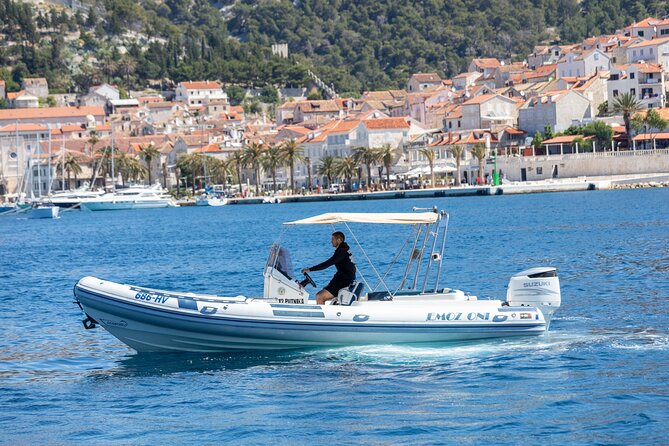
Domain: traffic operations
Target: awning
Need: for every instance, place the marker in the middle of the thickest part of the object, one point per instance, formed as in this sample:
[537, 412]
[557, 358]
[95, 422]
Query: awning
[382, 218]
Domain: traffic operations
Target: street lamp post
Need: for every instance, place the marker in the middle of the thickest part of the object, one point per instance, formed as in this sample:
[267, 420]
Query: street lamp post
[495, 172]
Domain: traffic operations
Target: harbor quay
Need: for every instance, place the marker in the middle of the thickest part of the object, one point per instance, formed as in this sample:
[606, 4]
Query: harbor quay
[510, 188]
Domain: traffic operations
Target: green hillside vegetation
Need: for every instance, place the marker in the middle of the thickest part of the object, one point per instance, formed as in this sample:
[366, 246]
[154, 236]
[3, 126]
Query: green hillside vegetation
[353, 45]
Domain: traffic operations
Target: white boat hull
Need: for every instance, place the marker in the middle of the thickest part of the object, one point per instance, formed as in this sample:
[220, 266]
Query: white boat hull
[126, 204]
[44, 212]
[153, 320]
[211, 202]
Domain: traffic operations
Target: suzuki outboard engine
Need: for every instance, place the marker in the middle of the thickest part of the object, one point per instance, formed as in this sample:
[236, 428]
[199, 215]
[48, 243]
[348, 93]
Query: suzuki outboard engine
[536, 287]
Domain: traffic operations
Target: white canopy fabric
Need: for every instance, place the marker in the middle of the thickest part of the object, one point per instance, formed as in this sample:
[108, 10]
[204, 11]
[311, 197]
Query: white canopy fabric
[383, 218]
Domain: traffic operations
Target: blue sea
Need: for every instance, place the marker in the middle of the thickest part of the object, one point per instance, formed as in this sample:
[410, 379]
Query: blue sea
[600, 376]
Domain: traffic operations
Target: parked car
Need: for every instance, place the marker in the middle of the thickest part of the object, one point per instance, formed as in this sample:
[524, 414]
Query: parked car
[335, 188]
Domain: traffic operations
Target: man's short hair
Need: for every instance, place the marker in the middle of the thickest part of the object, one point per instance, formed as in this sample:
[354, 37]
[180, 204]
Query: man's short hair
[340, 235]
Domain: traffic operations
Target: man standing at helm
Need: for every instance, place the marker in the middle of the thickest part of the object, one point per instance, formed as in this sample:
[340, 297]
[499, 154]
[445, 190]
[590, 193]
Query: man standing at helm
[342, 259]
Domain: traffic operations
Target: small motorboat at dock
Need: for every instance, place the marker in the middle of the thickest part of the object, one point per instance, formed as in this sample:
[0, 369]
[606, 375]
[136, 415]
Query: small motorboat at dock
[416, 310]
[43, 210]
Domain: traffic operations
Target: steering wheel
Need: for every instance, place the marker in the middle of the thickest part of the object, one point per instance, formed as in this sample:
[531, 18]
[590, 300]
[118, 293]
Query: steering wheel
[308, 280]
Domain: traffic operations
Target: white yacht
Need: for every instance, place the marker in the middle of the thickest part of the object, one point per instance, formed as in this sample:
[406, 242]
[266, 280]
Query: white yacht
[72, 198]
[134, 197]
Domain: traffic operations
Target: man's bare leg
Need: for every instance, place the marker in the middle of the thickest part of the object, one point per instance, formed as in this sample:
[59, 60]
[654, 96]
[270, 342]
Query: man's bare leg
[323, 296]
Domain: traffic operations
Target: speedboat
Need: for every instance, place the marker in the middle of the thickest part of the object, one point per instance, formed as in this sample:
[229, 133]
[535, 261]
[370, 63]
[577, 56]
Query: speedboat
[134, 197]
[416, 310]
[206, 200]
[43, 210]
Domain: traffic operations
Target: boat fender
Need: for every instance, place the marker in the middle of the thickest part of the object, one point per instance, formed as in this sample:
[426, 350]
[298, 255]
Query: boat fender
[89, 323]
[360, 318]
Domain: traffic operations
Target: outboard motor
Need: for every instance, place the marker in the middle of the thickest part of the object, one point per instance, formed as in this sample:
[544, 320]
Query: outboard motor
[536, 287]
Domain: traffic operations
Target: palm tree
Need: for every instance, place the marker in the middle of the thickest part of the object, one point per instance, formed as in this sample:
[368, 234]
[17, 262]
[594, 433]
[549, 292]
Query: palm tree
[191, 163]
[307, 161]
[71, 166]
[628, 105]
[430, 154]
[148, 153]
[253, 155]
[134, 169]
[346, 167]
[327, 168]
[652, 120]
[125, 67]
[272, 160]
[291, 152]
[93, 139]
[219, 170]
[122, 163]
[387, 155]
[104, 155]
[457, 152]
[478, 152]
[238, 160]
[366, 156]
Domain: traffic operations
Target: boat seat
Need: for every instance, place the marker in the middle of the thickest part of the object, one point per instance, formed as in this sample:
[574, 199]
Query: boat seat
[347, 296]
[385, 295]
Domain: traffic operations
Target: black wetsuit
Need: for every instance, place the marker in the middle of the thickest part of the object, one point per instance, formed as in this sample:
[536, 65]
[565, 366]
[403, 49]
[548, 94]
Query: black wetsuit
[343, 260]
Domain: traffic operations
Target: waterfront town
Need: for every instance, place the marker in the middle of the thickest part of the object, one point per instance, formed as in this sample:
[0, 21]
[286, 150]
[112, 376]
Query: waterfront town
[595, 108]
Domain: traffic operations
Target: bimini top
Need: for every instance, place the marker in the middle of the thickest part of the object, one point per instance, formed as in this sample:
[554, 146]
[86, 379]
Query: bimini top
[382, 218]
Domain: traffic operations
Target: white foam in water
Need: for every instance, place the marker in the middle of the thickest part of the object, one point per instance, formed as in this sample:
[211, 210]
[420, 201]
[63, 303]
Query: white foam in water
[422, 353]
[642, 341]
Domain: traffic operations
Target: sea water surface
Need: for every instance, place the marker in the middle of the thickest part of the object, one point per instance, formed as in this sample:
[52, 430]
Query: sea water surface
[600, 376]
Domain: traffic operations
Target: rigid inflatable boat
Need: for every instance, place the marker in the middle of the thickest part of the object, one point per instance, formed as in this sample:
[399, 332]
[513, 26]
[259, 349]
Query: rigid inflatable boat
[284, 317]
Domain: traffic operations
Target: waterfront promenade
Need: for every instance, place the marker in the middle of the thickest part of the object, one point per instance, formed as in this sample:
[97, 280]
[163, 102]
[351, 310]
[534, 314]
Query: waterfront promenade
[510, 188]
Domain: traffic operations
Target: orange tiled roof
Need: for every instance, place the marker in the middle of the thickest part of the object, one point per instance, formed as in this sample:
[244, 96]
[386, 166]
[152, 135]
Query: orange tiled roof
[514, 131]
[651, 42]
[542, 71]
[564, 139]
[150, 99]
[426, 77]
[23, 128]
[295, 128]
[53, 112]
[648, 67]
[13, 95]
[648, 21]
[161, 104]
[201, 85]
[323, 106]
[648, 136]
[386, 123]
[209, 148]
[480, 99]
[663, 112]
[489, 62]
[343, 126]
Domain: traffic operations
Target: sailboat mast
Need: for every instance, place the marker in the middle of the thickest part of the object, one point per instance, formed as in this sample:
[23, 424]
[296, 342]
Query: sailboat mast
[49, 162]
[112, 159]
[39, 165]
[17, 162]
[62, 161]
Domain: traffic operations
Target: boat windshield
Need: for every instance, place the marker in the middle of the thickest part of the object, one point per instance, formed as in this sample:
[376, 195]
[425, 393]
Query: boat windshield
[279, 258]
